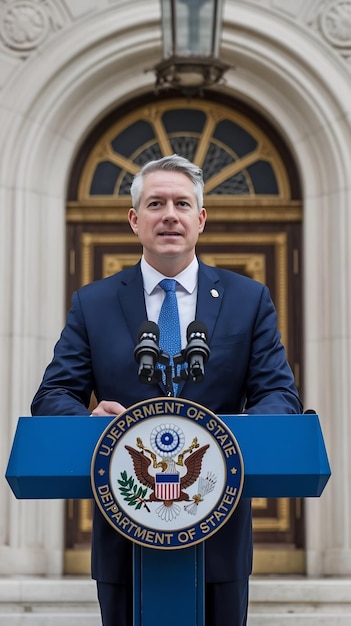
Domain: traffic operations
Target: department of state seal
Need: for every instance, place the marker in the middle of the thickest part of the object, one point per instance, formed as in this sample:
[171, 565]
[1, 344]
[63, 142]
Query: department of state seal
[167, 473]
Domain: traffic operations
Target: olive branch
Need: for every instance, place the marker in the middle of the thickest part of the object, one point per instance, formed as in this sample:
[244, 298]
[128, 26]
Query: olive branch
[132, 493]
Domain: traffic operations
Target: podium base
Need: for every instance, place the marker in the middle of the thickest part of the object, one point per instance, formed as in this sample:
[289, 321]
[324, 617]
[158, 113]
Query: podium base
[169, 586]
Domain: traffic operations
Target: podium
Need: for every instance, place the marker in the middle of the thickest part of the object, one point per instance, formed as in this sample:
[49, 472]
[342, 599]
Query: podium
[283, 456]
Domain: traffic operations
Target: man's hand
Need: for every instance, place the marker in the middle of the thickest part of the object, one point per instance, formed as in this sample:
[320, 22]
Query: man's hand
[108, 407]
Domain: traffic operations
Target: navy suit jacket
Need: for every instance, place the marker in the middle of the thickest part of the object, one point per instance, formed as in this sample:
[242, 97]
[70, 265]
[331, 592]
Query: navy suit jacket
[246, 371]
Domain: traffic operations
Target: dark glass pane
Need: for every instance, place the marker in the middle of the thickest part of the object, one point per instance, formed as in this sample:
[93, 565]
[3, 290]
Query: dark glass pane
[129, 140]
[151, 153]
[235, 137]
[263, 178]
[184, 120]
[104, 179]
[185, 146]
[234, 186]
[124, 189]
[216, 159]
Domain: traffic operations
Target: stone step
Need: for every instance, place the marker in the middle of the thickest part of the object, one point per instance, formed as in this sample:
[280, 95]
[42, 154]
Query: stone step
[34, 601]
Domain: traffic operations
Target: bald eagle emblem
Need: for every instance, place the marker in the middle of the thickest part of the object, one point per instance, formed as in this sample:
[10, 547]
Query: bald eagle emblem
[166, 484]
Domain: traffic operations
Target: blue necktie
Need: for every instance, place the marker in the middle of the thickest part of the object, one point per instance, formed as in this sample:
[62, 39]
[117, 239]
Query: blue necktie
[168, 322]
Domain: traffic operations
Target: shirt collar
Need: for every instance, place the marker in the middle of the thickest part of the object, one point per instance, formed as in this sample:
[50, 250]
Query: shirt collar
[187, 278]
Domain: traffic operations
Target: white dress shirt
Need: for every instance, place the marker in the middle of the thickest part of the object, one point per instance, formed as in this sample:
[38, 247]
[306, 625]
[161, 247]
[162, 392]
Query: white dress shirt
[186, 291]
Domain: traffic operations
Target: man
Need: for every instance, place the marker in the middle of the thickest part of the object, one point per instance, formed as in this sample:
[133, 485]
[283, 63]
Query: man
[246, 372]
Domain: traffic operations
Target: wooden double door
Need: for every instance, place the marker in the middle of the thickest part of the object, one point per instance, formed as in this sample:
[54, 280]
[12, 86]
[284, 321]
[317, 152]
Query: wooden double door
[254, 227]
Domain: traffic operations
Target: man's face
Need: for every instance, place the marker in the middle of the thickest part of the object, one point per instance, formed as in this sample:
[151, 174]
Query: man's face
[168, 221]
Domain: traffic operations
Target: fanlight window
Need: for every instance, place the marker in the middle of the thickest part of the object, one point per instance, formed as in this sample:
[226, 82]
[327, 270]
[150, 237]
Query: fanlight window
[237, 157]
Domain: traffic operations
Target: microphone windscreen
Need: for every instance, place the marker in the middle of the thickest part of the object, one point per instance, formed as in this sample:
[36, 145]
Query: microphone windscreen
[149, 328]
[196, 327]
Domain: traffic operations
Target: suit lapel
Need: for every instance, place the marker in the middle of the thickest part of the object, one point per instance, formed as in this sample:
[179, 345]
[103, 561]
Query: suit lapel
[209, 297]
[132, 301]
[209, 301]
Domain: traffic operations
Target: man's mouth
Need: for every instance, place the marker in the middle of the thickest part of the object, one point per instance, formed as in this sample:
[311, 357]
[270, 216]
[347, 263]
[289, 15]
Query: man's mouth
[170, 234]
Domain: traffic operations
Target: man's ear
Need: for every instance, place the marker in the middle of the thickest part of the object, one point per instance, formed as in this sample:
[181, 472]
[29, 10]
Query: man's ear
[133, 220]
[202, 220]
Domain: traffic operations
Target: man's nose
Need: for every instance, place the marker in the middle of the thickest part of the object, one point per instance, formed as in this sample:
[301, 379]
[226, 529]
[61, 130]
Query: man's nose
[170, 211]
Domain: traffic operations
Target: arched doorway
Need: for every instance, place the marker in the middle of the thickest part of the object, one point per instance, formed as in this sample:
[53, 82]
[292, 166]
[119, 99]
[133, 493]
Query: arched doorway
[253, 199]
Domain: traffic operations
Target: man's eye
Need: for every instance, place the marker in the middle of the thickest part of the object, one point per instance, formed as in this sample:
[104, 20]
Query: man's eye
[183, 203]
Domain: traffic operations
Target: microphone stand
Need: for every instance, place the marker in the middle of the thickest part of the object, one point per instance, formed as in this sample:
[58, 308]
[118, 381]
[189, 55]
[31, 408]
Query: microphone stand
[150, 376]
[169, 379]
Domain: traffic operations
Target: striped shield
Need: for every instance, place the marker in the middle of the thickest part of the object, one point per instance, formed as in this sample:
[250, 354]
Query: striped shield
[167, 486]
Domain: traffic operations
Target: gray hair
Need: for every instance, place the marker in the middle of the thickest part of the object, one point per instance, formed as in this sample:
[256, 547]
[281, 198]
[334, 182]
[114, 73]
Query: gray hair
[173, 163]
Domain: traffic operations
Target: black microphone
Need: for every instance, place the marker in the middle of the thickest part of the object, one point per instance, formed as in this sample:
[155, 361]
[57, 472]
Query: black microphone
[147, 352]
[197, 351]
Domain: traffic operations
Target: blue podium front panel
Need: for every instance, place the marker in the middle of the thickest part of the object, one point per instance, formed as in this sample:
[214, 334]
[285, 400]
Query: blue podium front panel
[284, 455]
[51, 456]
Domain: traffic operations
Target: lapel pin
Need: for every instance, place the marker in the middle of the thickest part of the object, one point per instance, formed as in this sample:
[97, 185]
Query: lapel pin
[214, 293]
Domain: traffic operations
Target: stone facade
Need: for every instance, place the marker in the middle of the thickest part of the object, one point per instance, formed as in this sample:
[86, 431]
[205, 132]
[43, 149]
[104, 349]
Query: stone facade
[63, 66]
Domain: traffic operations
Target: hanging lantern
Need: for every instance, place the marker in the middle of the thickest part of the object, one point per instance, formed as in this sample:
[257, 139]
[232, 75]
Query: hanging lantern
[191, 31]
